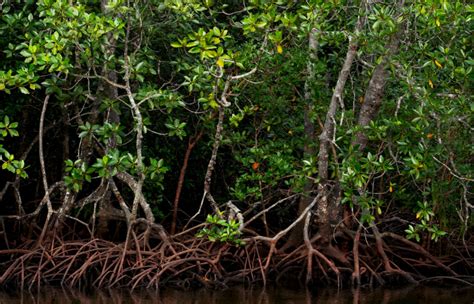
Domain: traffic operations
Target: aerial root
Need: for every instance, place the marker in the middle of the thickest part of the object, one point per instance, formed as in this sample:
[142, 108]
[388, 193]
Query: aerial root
[186, 261]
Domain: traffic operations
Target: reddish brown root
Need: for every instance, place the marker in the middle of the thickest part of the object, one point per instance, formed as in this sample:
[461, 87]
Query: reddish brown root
[186, 261]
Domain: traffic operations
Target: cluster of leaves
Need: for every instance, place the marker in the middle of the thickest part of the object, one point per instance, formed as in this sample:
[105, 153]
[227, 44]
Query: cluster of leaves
[113, 162]
[180, 54]
[15, 166]
[221, 230]
[425, 214]
[52, 33]
[358, 173]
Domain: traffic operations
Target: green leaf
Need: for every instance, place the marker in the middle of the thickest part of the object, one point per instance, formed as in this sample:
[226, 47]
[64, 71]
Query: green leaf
[25, 53]
[13, 132]
[24, 90]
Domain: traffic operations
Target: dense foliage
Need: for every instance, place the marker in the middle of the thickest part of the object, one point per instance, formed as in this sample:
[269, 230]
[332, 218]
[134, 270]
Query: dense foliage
[358, 111]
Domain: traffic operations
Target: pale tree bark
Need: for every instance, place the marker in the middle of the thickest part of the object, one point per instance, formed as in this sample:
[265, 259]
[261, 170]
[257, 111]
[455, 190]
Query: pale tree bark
[223, 103]
[327, 134]
[328, 208]
[212, 160]
[137, 115]
[43, 170]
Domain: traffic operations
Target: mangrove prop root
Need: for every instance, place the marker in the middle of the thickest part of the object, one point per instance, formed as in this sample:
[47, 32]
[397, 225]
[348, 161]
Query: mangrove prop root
[184, 260]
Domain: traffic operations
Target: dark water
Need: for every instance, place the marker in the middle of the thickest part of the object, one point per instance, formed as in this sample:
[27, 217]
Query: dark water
[247, 295]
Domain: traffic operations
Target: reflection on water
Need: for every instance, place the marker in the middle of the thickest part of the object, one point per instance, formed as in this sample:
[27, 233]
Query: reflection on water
[246, 295]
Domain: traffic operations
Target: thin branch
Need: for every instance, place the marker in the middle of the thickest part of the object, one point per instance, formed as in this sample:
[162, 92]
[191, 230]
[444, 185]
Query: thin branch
[43, 168]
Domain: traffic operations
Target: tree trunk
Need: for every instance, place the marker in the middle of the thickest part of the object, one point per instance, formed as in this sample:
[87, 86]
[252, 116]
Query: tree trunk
[329, 209]
[110, 92]
[296, 236]
[374, 93]
[192, 142]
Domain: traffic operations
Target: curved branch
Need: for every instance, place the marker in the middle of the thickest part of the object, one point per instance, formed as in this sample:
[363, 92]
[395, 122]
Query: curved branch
[43, 168]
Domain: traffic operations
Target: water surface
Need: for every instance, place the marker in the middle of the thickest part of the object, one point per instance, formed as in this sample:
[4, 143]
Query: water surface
[238, 295]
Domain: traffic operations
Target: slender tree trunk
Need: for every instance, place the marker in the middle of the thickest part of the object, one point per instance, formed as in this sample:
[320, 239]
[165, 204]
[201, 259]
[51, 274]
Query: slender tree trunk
[327, 134]
[212, 160]
[43, 170]
[106, 210]
[374, 93]
[296, 236]
[328, 208]
[191, 144]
